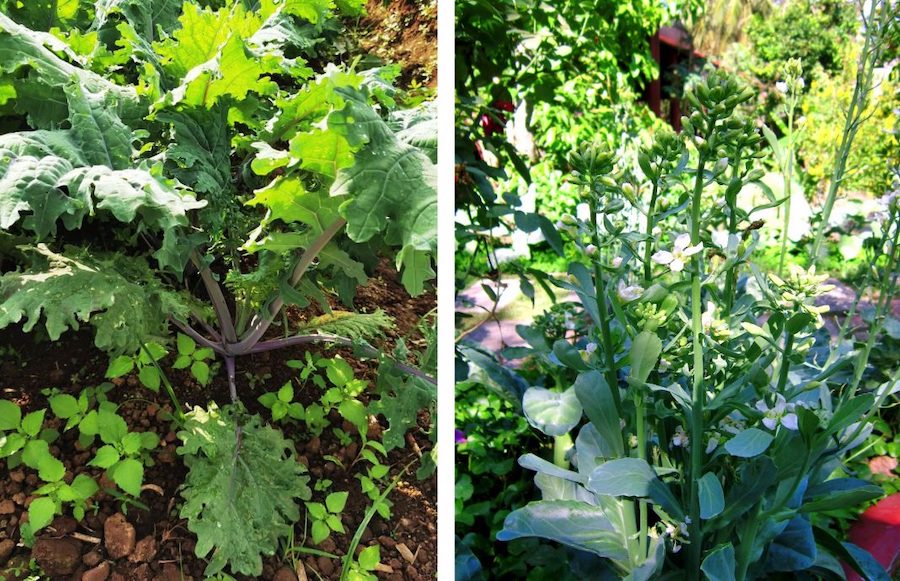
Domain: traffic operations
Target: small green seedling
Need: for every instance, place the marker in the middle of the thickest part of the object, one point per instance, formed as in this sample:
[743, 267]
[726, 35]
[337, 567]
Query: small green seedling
[196, 359]
[145, 362]
[361, 569]
[50, 500]
[375, 473]
[22, 440]
[67, 407]
[322, 485]
[326, 517]
[282, 404]
[124, 453]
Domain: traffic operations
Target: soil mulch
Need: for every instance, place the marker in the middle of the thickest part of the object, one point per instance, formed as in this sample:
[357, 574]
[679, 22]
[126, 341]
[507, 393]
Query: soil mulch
[154, 543]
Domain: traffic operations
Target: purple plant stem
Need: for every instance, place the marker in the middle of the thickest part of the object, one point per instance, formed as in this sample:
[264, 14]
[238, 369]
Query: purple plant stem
[343, 341]
[217, 298]
[196, 336]
[260, 325]
[232, 387]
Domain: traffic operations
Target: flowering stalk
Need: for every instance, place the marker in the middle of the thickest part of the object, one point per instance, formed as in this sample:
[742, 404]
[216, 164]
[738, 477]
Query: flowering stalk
[731, 201]
[791, 86]
[605, 335]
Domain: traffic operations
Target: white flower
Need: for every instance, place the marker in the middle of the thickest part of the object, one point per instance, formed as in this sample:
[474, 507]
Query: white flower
[800, 82]
[680, 438]
[712, 445]
[720, 363]
[681, 251]
[781, 86]
[629, 293]
[617, 262]
[590, 347]
[782, 412]
[591, 250]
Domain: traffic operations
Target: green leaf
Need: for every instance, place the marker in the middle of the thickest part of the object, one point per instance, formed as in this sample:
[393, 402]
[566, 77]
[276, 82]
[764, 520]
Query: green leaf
[336, 501]
[402, 396]
[238, 500]
[149, 376]
[370, 557]
[749, 443]
[719, 563]
[622, 477]
[131, 443]
[712, 497]
[551, 412]
[185, 344]
[339, 372]
[355, 412]
[119, 366]
[296, 411]
[320, 531]
[105, 457]
[267, 399]
[200, 371]
[182, 362]
[644, 355]
[96, 128]
[41, 512]
[111, 427]
[129, 475]
[322, 151]
[286, 393]
[576, 524]
[32, 422]
[10, 415]
[334, 523]
[840, 493]
[149, 440]
[316, 510]
[64, 406]
[794, 549]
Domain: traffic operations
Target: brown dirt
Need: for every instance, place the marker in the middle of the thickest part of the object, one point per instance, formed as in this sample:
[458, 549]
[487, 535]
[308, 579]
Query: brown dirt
[72, 363]
[403, 32]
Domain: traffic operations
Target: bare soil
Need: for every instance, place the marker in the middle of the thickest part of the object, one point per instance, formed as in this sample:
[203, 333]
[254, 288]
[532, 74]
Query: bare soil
[160, 547]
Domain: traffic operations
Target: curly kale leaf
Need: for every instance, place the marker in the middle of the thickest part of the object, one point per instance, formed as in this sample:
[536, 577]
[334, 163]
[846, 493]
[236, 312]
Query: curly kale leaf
[118, 295]
[241, 489]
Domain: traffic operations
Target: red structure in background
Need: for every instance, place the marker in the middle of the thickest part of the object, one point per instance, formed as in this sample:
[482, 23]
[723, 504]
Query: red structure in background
[670, 47]
[878, 531]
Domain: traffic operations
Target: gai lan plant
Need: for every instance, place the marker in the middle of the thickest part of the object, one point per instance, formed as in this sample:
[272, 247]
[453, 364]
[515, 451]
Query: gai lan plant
[710, 411]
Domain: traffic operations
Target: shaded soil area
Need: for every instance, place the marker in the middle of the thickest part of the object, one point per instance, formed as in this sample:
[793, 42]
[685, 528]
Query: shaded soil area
[403, 32]
[121, 541]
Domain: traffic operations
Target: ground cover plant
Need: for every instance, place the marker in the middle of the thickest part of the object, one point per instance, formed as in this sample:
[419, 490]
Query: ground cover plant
[191, 186]
[702, 417]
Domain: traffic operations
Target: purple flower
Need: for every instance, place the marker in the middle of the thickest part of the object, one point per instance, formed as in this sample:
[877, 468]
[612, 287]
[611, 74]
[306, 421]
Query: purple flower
[461, 437]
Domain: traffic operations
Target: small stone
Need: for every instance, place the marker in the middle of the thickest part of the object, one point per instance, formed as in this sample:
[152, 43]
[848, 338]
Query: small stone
[117, 577]
[56, 556]
[144, 550]
[285, 574]
[328, 545]
[98, 573]
[17, 475]
[313, 446]
[412, 572]
[91, 559]
[326, 566]
[64, 525]
[6, 549]
[118, 536]
[7, 507]
[171, 573]
[386, 542]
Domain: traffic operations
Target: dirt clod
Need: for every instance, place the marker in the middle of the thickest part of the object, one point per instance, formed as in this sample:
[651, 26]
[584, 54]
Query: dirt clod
[285, 574]
[56, 556]
[91, 559]
[7, 507]
[118, 536]
[64, 525]
[326, 566]
[98, 573]
[144, 551]
[6, 549]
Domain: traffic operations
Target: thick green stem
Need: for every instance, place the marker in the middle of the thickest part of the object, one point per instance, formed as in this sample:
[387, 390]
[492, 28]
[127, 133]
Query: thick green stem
[640, 428]
[788, 177]
[561, 445]
[648, 245]
[746, 546]
[698, 396]
[785, 361]
[731, 274]
[605, 334]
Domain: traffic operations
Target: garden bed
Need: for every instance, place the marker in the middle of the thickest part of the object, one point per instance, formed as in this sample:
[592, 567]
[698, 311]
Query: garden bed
[157, 542]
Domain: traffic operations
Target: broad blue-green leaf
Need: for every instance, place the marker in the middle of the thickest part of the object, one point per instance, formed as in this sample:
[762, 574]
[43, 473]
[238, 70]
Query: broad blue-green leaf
[622, 477]
[97, 129]
[538, 464]
[719, 563]
[644, 355]
[840, 493]
[552, 412]
[748, 443]
[576, 524]
[794, 549]
[592, 449]
[595, 395]
[712, 498]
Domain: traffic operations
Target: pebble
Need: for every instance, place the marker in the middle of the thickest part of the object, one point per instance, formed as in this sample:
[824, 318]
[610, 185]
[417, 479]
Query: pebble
[7, 507]
[326, 566]
[64, 525]
[386, 541]
[118, 536]
[98, 573]
[91, 559]
[17, 475]
[56, 556]
[285, 574]
[6, 549]
[144, 550]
